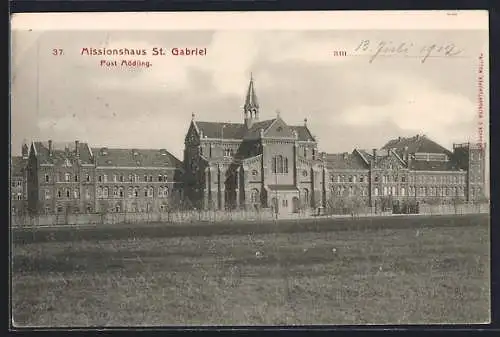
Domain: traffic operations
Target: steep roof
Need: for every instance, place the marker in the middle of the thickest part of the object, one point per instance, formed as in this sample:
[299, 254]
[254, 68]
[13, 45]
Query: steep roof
[345, 161]
[17, 165]
[214, 130]
[254, 131]
[303, 132]
[62, 151]
[422, 165]
[251, 98]
[135, 158]
[418, 143]
[239, 131]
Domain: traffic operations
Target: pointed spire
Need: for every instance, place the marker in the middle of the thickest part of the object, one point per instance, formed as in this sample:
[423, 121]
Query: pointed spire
[192, 116]
[251, 101]
[305, 121]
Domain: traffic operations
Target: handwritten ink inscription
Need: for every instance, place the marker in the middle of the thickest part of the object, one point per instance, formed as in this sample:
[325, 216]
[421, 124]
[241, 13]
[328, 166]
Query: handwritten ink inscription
[406, 49]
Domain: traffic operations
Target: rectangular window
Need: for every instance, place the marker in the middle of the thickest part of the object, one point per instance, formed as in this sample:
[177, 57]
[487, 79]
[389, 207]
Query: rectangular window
[99, 179]
[87, 178]
[47, 179]
[76, 178]
[76, 193]
[67, 177]
[47, 194]
[87, 193]
[105, 178]
[115, 178]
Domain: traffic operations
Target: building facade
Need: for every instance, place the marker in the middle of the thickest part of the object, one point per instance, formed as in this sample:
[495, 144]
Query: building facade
[67, 178]
[18, 182]
[272, 164]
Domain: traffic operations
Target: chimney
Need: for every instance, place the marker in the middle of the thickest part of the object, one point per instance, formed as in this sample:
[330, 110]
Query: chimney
[374, 153]
[50, 147]
[77, 148]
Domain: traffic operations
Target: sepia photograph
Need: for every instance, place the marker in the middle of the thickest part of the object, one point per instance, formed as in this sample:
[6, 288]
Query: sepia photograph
[249, 169]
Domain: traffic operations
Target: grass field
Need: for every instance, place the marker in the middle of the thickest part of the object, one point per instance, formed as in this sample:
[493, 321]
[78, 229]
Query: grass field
[435, 271]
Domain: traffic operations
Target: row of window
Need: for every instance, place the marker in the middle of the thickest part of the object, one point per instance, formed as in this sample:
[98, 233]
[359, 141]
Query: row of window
[131, 178]
[68, 177]
[17, 196]
[388, 178]
[132, 192]
[17, 184]
[392, 190]
[67, 193]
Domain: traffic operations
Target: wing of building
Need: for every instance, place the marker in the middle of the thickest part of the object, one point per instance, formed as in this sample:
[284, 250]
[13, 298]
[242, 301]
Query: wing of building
[72, 177]
[268, 163]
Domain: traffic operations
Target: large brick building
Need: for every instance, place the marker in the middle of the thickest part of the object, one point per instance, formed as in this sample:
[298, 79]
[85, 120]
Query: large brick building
[268, 163]
[253, 164]
[75, 178]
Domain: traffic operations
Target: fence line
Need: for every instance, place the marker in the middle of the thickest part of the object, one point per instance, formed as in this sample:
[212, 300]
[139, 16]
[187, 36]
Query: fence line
[202, 216]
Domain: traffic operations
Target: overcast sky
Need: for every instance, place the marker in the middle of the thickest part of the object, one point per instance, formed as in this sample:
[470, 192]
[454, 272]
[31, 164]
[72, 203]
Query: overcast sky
[348, 101]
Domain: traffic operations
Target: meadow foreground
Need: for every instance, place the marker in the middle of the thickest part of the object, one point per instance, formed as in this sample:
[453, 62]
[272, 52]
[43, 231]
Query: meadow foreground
[428, 274]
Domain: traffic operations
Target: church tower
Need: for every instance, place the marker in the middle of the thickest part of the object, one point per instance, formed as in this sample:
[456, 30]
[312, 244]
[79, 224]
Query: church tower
[251, 107]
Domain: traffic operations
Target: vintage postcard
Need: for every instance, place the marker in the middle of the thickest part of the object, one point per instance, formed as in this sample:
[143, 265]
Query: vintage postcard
[249, 169]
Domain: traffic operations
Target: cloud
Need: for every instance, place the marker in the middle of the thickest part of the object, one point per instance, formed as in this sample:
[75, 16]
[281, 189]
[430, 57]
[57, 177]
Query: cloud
[416, 106]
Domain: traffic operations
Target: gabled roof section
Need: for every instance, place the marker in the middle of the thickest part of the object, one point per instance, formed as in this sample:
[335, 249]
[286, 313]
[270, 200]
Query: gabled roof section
[62, 151]
[418, 143]
[344, 161]
[135, 158]
[220, 130]
[303, 133]
[17, 166]
[254, 131]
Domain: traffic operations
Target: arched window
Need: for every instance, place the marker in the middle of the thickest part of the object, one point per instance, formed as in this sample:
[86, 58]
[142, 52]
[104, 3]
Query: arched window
[150, 192]
[99, 192]
[160, 177]
[254, 196]
[305, 194]
[403, 191]
[59, 194]
[385, 190]
[375, 191]
[136, 192]
[280, 164]
[67, 193]
[145, 191]
[105, 192]
[121, 192]
[130, 192]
